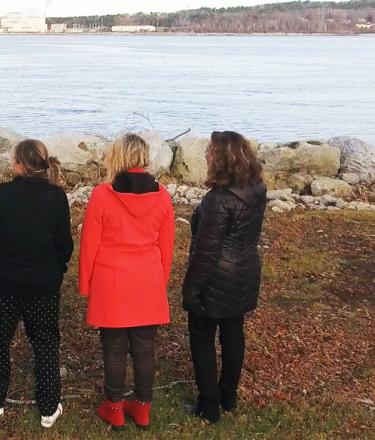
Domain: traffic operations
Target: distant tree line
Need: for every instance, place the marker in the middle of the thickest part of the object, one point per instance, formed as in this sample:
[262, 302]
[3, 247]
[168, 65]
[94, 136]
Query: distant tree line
[289, 17]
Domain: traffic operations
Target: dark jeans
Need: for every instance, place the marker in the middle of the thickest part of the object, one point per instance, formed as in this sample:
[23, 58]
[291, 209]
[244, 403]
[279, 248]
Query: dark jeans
[202, 332]
[41, 319]
[139, 342]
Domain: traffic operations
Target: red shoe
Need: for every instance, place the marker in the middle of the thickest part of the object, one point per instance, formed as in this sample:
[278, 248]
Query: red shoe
[113, 414]
[138, 411]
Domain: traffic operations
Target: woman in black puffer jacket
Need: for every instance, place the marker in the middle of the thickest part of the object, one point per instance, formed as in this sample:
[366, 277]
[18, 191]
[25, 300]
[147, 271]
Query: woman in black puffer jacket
[223, 278]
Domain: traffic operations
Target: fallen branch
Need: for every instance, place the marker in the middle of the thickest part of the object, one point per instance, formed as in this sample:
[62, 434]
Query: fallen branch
[78, 396]
[179, 135]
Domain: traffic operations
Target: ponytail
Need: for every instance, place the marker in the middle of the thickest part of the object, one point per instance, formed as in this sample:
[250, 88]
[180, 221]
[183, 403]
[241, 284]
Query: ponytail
[54, 170]
[33, 156]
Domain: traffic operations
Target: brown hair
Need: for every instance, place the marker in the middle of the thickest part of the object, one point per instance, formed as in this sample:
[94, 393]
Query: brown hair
[126, 152]
[33, 156]
[231, 161]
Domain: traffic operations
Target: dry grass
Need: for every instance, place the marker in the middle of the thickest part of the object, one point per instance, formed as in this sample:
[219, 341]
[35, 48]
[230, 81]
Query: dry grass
[310, 347]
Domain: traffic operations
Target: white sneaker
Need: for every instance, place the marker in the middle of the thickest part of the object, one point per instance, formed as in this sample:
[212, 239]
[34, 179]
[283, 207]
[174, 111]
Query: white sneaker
[49, 421]
[1, 412]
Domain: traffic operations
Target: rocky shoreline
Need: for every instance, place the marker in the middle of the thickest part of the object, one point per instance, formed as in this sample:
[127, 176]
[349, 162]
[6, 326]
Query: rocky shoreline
[333, 174]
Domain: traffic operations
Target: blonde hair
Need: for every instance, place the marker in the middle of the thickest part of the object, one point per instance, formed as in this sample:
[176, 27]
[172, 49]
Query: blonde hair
[32, 154]
[126, 152]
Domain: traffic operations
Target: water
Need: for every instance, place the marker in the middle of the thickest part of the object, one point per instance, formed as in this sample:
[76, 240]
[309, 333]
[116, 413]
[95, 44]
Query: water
[268, 87]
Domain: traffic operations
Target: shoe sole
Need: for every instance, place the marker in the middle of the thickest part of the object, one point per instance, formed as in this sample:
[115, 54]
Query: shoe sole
[50, 426]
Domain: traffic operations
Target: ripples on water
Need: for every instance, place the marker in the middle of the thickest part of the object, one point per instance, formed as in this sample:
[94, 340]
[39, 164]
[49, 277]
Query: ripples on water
[269, 87]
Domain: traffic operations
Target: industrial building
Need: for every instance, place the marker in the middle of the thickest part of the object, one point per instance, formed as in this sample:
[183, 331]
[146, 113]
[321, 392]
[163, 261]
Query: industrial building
[17, 23]
[133, 29]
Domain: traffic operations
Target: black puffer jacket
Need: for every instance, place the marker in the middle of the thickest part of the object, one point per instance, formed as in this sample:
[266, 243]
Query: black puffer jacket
[223, 277]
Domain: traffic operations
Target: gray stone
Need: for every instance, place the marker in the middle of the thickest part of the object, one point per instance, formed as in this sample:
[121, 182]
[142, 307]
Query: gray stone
[340, 203]
[171, 188]
[277, 210]
[285, 206]
[307, 199]
[326, 185]
[362, 164]
[278, 193]
[278, 159]
[191, 193]
[322, 160]
[328, 200]
[161, 155]
[351, 178]
[348, 146]
[189, 163]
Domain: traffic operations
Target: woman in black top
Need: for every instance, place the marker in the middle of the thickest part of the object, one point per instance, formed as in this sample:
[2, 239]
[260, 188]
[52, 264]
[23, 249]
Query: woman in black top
[35, 247]
[223, 278]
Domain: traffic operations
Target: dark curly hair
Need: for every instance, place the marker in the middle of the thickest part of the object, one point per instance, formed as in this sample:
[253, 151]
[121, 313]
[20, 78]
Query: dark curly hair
[231, 161]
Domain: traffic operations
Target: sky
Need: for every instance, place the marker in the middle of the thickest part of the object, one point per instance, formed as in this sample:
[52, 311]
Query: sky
[61, 8]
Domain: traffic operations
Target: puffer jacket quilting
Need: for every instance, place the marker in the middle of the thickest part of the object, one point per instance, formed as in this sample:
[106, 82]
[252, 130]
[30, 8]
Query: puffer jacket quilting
[223, 277]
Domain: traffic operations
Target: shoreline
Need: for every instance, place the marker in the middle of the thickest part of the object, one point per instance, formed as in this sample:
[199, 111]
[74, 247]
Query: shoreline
[200, 34]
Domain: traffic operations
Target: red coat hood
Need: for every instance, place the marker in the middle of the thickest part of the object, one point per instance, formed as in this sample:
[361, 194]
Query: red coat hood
[138, 205]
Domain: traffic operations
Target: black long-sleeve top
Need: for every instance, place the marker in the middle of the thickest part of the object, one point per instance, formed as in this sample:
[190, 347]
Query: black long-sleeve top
[35, 238]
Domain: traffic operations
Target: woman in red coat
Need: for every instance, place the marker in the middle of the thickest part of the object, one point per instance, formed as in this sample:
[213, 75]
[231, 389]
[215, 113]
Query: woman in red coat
[125, 261]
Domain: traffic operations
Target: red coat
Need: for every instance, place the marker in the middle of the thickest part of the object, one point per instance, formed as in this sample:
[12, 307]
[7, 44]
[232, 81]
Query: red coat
[126, 257]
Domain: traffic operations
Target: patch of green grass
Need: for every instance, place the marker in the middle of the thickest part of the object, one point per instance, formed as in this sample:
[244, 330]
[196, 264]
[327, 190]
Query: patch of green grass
[169, 421]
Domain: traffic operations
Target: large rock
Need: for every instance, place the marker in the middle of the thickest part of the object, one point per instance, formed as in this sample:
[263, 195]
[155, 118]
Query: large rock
[348, 146]
[362, 164]
[81, 156]
[334, 187]
[161, 155]
[322, 159]
[300, 182]
[278, 159]
[9, 139]
[189, 162]
[309, 158]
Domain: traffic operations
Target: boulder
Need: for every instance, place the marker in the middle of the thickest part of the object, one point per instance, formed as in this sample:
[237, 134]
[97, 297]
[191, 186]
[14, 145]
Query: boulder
[299, 182]
[322, 160]
[9, 139]
[79, 155]
[189, 163]
[326, 185]
[266, 146]
[76, 150]
[278, 159]
[348, 146]
[362, 164]
[161, 155]
[351, 178]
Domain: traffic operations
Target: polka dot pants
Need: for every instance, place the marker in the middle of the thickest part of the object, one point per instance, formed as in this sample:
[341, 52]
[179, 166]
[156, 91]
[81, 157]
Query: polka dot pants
[41, 320]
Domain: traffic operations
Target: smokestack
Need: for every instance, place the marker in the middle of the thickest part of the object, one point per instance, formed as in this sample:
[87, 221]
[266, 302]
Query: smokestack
[46, 5]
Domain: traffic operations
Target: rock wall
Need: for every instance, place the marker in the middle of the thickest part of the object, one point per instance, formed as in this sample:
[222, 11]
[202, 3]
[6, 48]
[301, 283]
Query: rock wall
[308, 167]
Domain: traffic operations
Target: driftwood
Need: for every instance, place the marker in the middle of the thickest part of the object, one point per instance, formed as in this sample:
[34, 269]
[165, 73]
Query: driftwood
[179, 135]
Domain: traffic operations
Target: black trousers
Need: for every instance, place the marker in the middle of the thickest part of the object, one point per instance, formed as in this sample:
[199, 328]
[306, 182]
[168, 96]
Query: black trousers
[116, 344]
[41, 320]
[212, 391]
